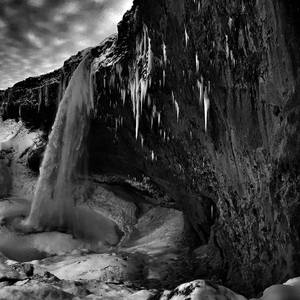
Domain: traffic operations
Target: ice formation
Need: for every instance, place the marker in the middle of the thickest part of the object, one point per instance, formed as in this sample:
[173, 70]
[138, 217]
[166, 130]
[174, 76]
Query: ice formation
[227, 46]
[164, 47]
[206, 107]
[197, 63]
[140, 81]
[175, 103]
[177, 110]
[200, 88]
[230, 21]
[186, 37]
[53, 203]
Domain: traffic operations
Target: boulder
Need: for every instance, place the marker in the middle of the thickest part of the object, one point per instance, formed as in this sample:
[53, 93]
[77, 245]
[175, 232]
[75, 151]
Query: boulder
[281, 292]
[201, 290]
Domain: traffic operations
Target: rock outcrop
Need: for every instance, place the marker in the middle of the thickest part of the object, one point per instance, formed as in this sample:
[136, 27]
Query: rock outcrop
[200, 100]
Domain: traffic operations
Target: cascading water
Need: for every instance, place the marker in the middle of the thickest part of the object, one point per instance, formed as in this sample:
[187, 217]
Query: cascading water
[53, 203]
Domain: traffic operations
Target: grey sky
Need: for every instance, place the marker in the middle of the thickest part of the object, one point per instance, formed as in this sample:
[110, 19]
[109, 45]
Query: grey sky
[36, 36]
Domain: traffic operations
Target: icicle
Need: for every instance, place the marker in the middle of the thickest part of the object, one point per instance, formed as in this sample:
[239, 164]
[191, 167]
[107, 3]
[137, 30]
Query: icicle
[232, 57]
[173, 98]
[197, 63]
[165, 53]
[177, 110]
[139, 84]
[230, 23]
[227, 47]
[152, 155]
[116, 124]
[186, 36]
[144, 88]
[158, 118]
[150, 57]
[142, 141]
[153, 110]
[206, 108]
[164, 77]
[200, 87]
[123, 95]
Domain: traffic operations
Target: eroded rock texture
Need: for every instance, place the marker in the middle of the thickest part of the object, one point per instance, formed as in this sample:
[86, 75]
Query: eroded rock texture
[176, 68]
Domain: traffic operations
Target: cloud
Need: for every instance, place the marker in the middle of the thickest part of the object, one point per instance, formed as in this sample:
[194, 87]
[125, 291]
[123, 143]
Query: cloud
[36, 36]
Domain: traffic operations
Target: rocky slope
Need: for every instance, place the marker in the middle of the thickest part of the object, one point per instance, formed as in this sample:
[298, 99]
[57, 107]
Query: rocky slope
[198, 101]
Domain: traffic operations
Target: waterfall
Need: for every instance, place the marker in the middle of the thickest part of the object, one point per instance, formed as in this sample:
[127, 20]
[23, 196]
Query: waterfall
[53, 203]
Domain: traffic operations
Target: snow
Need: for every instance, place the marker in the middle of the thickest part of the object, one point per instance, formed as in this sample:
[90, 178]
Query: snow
[8, 131]
[102, 267]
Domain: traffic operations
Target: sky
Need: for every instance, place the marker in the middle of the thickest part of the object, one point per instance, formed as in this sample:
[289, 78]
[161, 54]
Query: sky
[37, 36]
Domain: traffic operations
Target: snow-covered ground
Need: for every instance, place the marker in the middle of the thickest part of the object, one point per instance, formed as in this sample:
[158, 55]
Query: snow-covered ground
[15, 139]
[8, 128]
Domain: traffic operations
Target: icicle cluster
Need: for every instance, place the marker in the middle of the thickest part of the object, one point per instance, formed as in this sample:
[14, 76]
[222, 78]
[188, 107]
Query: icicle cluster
[140, 79]
[203, 95]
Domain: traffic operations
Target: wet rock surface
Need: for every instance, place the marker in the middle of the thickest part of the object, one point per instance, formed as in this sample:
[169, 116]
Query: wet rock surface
[226, 164]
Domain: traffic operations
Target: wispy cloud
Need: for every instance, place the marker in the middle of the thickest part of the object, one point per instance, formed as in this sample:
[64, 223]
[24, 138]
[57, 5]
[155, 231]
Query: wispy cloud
[36, 36]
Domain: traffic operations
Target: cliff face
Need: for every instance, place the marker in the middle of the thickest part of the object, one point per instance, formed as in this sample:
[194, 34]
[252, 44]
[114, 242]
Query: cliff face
[201, 99]
[35, 100]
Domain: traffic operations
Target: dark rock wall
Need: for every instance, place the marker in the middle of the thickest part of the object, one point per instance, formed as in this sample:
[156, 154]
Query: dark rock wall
[237, 182]
[245, 168]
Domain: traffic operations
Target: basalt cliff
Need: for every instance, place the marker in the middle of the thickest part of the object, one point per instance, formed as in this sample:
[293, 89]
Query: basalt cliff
[196, 110]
